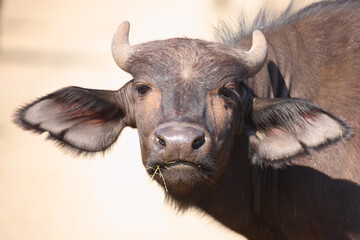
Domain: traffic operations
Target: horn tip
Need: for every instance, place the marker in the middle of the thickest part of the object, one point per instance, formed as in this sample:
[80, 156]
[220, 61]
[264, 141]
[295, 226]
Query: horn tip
[125, 23]
[124, 27]
[121, 34]
[120, 45]
[258, 34]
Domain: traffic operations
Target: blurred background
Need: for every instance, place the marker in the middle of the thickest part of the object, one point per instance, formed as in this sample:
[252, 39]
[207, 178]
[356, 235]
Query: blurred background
[46, 193]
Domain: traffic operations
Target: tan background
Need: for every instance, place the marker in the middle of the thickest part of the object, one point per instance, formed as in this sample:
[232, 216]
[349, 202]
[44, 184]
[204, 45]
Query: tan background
[48, 194]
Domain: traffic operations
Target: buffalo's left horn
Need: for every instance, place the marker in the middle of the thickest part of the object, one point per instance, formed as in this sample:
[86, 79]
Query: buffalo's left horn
[120, 45]
[256, 56]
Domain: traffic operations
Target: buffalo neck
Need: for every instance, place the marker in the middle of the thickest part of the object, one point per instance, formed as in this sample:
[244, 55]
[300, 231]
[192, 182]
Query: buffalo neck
[236, 201]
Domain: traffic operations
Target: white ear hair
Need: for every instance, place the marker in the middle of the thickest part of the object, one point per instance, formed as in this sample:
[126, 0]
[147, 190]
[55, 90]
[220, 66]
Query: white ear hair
[284, 128]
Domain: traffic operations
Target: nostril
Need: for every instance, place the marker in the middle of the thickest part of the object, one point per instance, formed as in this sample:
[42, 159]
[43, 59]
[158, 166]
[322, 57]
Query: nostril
[161, 141]
[198, 142]
[179, 139]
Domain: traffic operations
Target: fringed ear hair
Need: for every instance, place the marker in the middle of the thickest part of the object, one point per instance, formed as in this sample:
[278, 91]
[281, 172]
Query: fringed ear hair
[86, 120]
[284, 128]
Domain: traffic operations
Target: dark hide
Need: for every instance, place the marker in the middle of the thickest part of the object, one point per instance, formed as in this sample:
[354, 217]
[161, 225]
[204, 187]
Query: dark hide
[313, 55]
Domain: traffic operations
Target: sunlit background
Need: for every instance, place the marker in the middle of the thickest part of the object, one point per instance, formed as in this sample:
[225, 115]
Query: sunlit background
[46, 193]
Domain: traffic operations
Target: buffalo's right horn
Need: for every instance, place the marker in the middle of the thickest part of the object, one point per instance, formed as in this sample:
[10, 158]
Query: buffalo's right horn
[120, 45]
[256, 56]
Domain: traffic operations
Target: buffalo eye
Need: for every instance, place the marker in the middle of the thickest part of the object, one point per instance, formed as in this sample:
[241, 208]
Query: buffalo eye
[142, 90]
[225, 92]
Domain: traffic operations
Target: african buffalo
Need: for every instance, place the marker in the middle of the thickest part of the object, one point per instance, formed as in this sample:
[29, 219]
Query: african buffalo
[262, 134]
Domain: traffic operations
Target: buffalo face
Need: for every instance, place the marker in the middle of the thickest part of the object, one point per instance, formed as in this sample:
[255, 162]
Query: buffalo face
[186, 98]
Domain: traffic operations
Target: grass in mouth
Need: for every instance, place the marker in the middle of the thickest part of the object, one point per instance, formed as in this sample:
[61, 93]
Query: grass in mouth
[157, 170]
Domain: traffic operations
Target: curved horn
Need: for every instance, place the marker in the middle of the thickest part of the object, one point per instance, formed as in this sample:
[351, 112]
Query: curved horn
[256, 56]
[120, 45]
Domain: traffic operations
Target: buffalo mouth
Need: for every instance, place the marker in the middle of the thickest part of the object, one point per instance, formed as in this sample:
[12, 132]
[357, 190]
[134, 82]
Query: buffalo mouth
[178, 164]
[180, 175]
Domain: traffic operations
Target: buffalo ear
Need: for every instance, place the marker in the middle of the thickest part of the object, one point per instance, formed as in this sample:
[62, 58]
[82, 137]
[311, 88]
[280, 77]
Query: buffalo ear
[86, 120]
[284, 128]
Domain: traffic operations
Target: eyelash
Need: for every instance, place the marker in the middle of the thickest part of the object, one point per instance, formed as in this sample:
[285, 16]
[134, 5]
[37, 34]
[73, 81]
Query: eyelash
[142, 90]
[230, 95]
[225, 92]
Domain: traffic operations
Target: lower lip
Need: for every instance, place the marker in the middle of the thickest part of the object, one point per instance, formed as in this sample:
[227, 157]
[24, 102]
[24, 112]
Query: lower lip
[180, 164]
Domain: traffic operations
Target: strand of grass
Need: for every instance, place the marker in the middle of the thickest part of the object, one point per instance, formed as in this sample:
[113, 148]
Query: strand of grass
[157, 170]
[162, 177]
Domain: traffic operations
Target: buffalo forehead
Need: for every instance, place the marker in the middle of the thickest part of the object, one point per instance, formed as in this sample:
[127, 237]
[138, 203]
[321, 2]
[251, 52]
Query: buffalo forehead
[183, 61]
